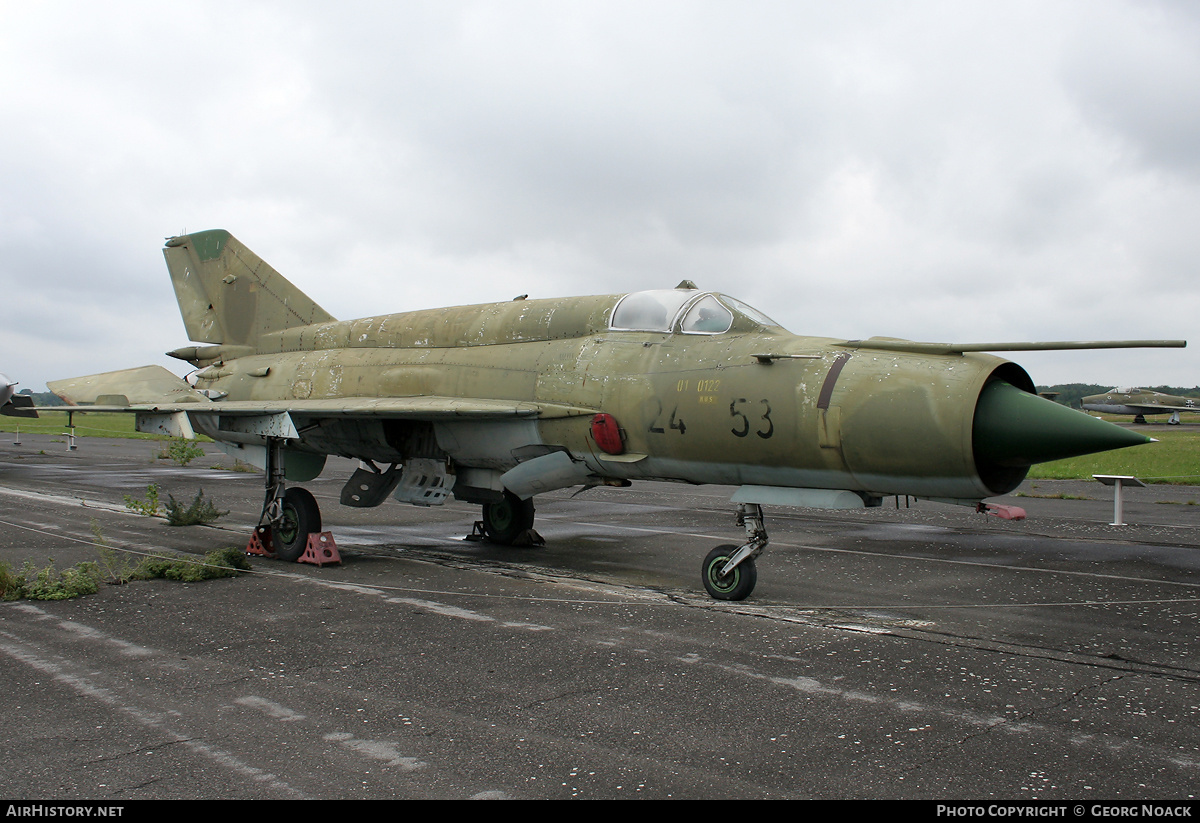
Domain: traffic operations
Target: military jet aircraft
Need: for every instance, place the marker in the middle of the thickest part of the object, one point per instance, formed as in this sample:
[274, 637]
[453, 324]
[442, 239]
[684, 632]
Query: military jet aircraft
[1140, 402]
[497, 403]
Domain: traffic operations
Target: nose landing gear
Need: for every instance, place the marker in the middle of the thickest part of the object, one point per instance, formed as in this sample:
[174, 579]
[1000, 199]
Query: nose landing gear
[728, 571]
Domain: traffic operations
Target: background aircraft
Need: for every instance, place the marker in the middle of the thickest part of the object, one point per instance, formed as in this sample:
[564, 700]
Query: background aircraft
[1140, 402]
[496, 403]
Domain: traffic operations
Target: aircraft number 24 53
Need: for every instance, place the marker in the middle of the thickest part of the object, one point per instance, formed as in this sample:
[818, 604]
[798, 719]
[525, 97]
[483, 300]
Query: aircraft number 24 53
[765, 427]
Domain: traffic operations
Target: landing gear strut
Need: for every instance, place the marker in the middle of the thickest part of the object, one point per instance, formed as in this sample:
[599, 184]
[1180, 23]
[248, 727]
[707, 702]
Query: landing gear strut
[289, 527]
[729, 572]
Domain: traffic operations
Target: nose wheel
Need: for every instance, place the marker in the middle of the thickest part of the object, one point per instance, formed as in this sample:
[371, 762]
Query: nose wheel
[729, 572]
[734, 585]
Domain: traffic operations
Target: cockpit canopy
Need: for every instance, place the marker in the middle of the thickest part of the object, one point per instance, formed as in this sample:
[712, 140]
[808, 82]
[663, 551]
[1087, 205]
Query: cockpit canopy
[682, 310]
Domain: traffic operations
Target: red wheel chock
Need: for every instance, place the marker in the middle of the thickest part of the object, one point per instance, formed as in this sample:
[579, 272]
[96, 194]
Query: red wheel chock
[260, 543]
[320, 550]
[1001, 511]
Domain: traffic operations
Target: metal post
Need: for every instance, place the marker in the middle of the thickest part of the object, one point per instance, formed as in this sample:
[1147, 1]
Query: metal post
[1119, 482]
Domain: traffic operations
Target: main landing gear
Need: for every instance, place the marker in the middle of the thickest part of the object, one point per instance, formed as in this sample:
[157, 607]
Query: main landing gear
[289, 527]
[508, 522]
[299, 516]
[728, 571]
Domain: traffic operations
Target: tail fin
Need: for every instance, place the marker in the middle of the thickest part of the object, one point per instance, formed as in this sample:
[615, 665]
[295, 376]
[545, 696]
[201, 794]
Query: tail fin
[227, 294]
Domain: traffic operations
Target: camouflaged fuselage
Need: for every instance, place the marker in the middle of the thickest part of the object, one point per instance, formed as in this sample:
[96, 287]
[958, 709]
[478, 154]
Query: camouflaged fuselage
[704, 408]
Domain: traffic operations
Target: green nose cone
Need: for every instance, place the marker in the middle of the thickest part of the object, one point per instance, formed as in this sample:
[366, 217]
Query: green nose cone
[1015, 428]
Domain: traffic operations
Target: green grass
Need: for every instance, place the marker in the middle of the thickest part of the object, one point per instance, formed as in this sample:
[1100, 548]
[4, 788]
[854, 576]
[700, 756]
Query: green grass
[94, 424]
[217, 563]
[1174, 459]
[86, 425]
[48, 583]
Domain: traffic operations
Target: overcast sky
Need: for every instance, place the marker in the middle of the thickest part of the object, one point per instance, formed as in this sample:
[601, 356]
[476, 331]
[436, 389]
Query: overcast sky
[946, 171]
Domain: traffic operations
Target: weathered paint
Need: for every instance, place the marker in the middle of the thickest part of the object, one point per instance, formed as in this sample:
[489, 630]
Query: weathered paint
[490, 387]
[702, 407]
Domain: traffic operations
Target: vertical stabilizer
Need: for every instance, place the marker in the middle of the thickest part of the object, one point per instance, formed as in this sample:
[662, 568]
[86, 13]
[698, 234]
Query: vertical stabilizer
[227, 294]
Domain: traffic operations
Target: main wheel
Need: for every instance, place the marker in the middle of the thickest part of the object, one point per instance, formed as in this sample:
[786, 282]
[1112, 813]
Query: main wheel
[738, 584]
[507, 520]
[301, 517]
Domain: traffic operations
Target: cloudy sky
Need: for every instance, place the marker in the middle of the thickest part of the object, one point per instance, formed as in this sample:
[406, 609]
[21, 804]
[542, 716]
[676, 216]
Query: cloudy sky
[948, 171]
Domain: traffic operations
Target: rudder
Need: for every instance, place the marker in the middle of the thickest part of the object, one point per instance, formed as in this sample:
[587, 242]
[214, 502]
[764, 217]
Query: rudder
[227, 294]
